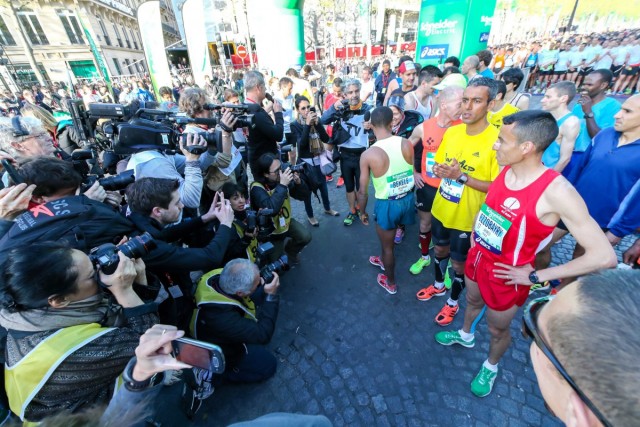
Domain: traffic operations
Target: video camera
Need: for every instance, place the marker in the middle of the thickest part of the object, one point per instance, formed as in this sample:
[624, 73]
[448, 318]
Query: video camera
[344, 112]
[242, 112]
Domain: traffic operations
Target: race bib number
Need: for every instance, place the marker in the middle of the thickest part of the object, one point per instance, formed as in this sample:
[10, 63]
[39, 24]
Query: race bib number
[490, 229]
[451, 190]
[400, 183]
[431, 161]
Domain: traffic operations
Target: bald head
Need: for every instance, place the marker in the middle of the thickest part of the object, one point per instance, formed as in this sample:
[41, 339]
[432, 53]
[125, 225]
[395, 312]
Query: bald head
[628, 118]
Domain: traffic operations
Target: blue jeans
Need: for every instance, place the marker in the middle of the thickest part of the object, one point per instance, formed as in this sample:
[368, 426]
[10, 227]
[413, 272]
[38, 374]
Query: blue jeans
[324, 192]
[257, 365]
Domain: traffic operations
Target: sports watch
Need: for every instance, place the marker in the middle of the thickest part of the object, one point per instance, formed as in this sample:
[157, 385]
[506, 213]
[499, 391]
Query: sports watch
[588, 116]
[533, 277]
[462, 179]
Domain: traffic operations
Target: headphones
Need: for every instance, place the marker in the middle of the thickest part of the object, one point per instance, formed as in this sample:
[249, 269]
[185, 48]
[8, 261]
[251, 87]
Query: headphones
[18, 129]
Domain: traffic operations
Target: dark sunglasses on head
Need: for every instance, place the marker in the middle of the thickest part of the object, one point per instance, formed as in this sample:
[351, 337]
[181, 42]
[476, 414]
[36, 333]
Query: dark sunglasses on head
[530, 330]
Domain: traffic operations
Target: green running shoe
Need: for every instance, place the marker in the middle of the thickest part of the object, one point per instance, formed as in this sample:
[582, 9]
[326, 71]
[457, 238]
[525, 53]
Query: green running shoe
[349, 219]
[447, 277]
[482, 384]
[417, 266]
[453, 337]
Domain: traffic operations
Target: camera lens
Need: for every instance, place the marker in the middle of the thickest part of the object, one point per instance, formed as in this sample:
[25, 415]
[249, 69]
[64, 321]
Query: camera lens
[138, 246]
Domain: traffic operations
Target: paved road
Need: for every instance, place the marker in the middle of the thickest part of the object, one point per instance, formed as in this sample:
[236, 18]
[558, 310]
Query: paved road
[349, 350]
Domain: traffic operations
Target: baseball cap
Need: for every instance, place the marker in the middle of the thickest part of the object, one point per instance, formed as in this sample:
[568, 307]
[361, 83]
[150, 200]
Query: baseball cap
[406, 66]
[396, 101]
[455, 79]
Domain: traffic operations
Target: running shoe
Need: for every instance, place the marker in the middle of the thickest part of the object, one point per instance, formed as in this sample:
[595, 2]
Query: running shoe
[453, 337]
[425, 294]
[350, 218]
[399, 236]
[539, 287]
[329, 178]
[421, 263]
[446, 315]
[340, 182]
[375, 260]
[482, 384]
[383, 281]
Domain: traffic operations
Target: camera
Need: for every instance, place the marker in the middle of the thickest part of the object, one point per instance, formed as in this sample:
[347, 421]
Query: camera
[344, 103]
[294, 168]
[278, 266]
[260, 220]
[105, 257]
[109, 183]
[312, 109]
[213, 140]
[242, 113]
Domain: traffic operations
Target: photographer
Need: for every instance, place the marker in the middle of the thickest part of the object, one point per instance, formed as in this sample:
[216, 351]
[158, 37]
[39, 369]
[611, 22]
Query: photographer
[60, 212]
[154, 204]
[28, 140]
[244, 244]
[264, 134]
[88, 339]
[310, 138]
[349, 132]
[238, 311]
[270, 190]
[192, 102]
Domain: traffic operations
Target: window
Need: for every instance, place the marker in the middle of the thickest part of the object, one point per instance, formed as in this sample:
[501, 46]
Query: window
[117, 66]
[133, 37]
[31, 25]
[71, 26]
[126, 61]
[115, 29]
[126, 37]
[107, 40]
[5, 36]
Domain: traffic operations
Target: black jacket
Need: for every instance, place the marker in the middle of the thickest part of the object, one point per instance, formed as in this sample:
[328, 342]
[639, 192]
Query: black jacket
[226, 326]
[171, 264]
[260, 198]
[379, 87]
[264, 135]
[300, 134]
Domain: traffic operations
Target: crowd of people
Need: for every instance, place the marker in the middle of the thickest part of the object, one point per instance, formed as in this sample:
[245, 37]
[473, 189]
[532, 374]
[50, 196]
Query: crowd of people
[194, 242]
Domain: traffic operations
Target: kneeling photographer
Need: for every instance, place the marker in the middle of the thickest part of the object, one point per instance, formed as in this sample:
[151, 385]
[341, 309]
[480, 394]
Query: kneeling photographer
[67, 342]
[244, 244]
[155, 203]
[271, 190]
[237, 310]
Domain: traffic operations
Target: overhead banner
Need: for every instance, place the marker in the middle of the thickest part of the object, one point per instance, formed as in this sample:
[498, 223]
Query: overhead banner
[279, 33]
[452, 28]
[196, 38]
[153, 43]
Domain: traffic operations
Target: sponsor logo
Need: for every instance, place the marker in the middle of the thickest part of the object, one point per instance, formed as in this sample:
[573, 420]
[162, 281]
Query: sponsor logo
[463, 235]
[434, 51]
[511, 203]
[41, 209]
[484, 37]
[486, 20]
[476, 154]
[438, 28]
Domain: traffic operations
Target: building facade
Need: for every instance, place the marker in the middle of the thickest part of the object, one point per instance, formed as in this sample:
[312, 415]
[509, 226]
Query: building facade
[49, 34]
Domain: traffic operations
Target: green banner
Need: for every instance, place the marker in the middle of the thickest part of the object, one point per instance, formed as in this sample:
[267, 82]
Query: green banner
[452, 28]
[150, 25]
[97, 55]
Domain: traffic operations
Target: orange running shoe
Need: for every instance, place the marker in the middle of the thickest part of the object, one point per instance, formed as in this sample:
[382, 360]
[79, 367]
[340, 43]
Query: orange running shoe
[446, 315]
[425, 294]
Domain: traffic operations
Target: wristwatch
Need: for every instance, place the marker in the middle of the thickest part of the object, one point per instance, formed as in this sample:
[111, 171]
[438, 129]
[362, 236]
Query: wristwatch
[133, 385]
[533, 277]
[462, 179]
[588, 116]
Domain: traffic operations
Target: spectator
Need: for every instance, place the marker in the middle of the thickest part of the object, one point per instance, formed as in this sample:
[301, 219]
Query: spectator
[470, 67]
[513, 79]
[484, 57]
[167, 103]
[382, 82]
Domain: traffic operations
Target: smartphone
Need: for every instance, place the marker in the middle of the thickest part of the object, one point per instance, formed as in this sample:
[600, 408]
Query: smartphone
[199, 354]
[312, 109]
[11, 170]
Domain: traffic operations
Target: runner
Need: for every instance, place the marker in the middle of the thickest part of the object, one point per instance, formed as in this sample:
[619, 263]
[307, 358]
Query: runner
[390, 163]
[556, 101]
[467, 164]
[522, 208]
[425, 140]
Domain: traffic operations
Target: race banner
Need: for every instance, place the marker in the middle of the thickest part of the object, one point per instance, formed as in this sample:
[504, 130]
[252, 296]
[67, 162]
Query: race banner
[97, 55]
[193, 15]
[153, 43]
[452, 28]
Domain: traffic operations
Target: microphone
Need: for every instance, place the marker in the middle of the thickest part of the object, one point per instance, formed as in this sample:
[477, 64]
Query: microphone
[367, 117]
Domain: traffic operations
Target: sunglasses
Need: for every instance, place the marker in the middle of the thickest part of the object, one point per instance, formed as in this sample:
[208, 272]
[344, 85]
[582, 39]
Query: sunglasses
[530, 330]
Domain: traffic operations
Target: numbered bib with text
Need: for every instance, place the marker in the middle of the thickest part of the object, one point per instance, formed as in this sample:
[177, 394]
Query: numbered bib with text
[490, 229]
[400, 183]
[431, 161]
[451, 190]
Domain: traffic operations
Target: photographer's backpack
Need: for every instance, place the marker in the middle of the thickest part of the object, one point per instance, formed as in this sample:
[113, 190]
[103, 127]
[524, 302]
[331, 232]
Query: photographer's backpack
[81, 222]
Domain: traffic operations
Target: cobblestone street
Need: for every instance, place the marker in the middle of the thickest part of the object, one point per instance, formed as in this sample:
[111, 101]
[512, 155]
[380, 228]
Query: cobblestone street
[349, 350]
